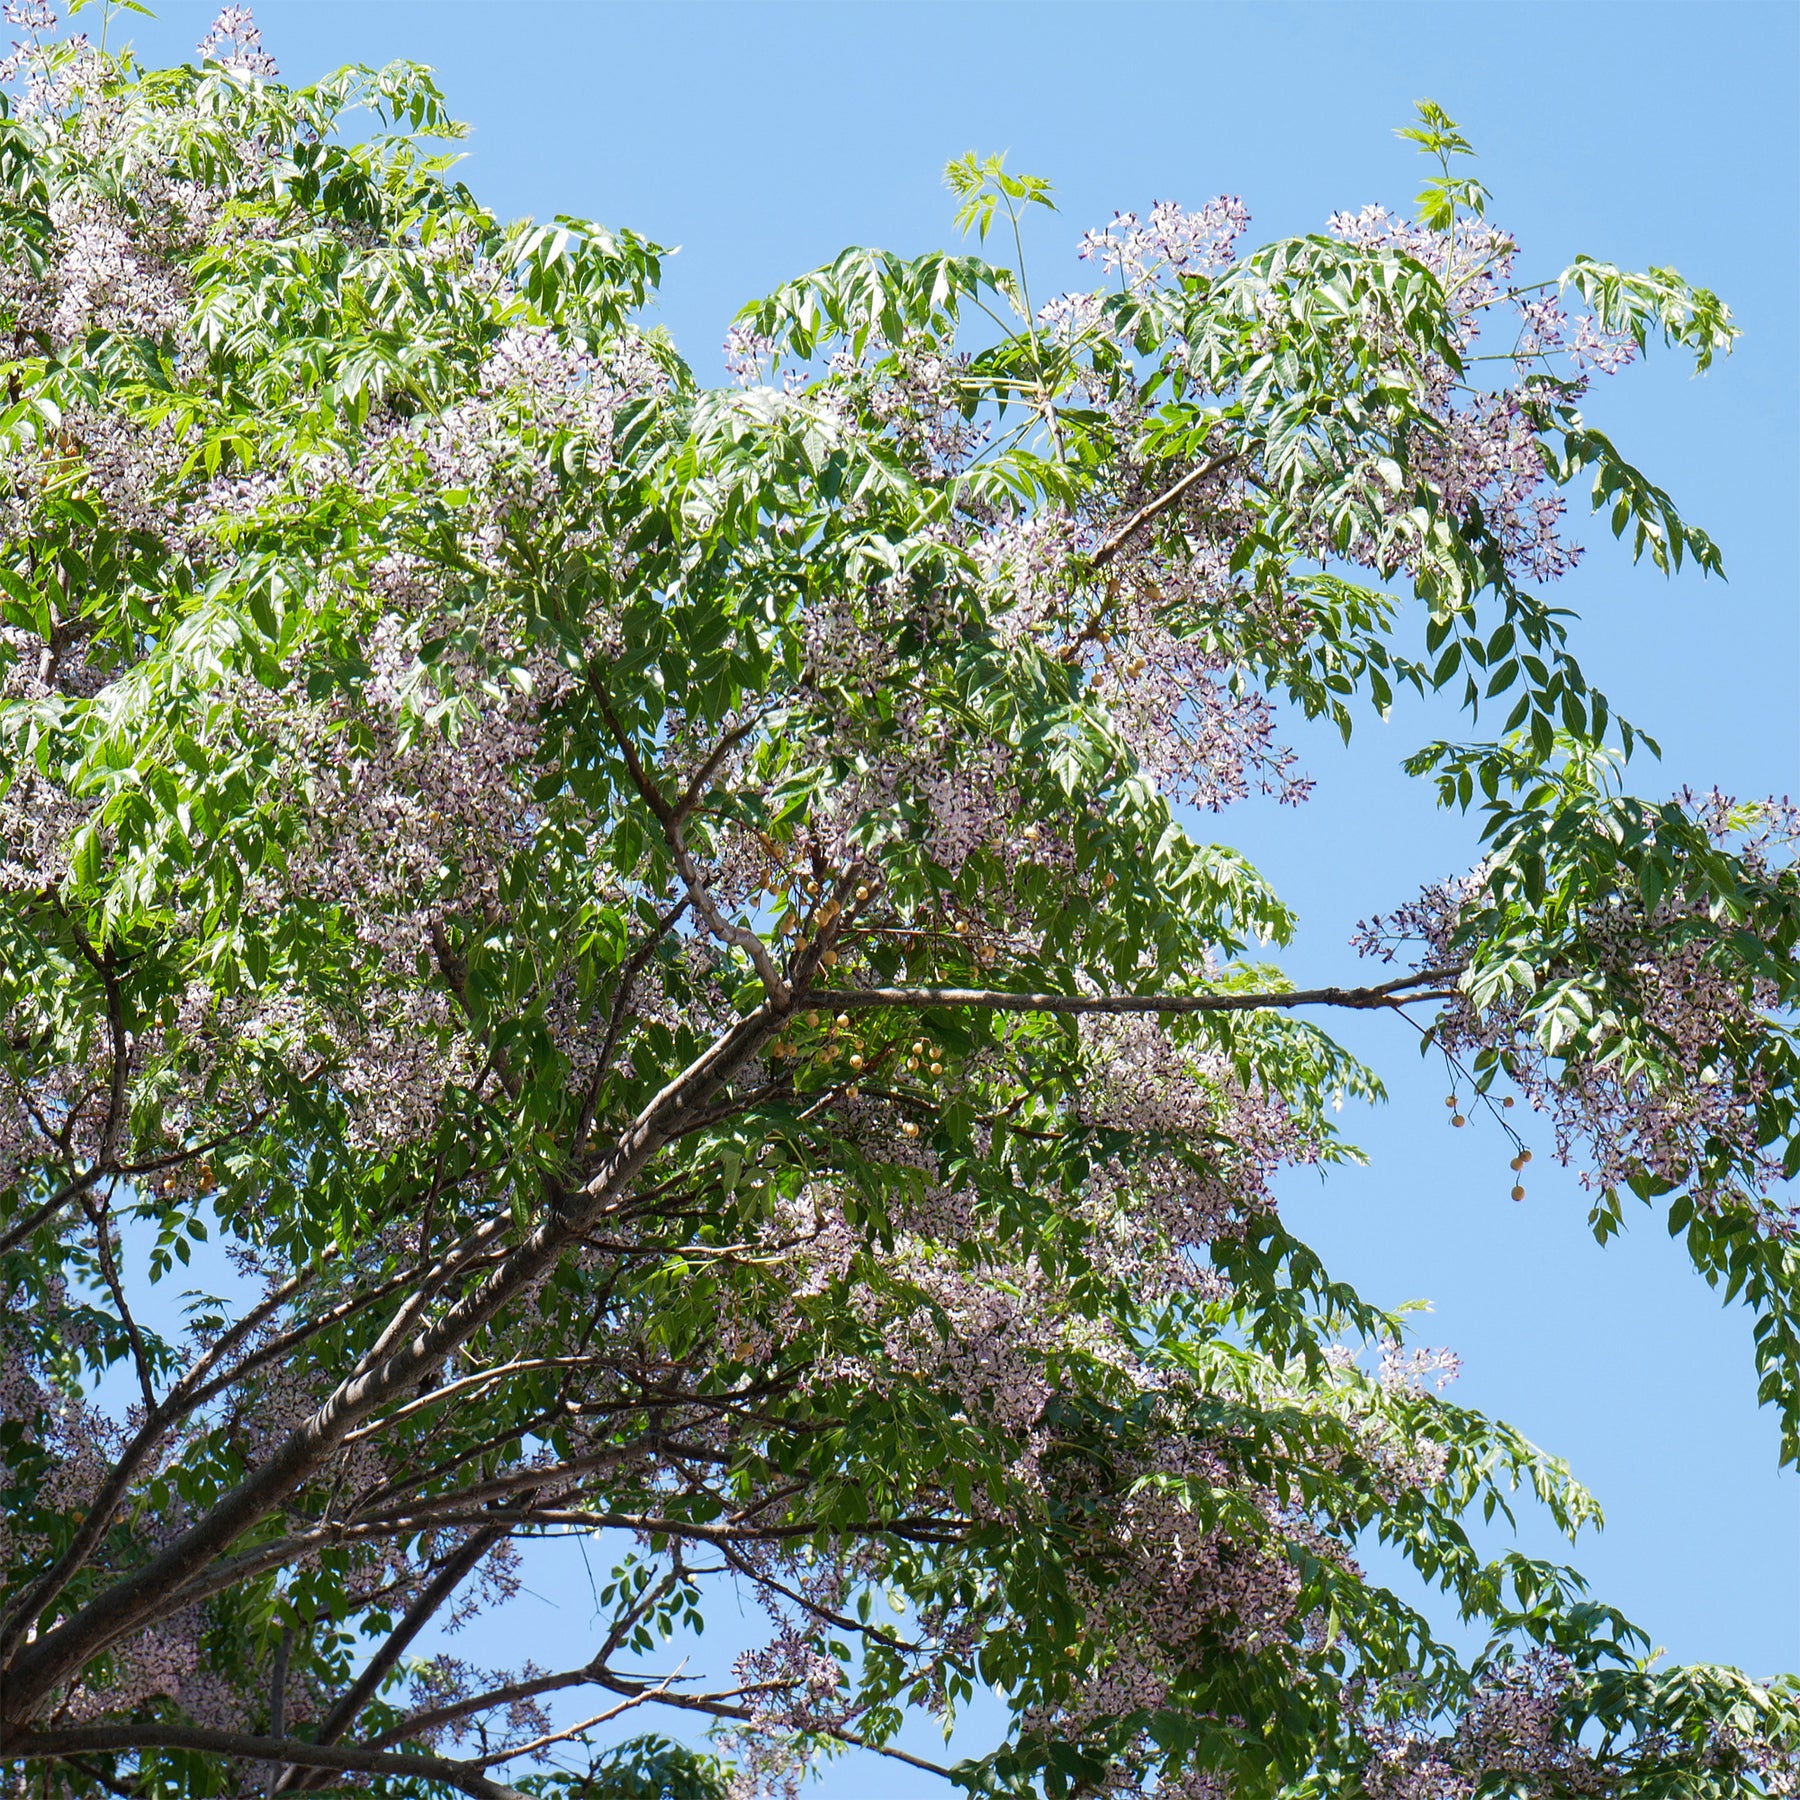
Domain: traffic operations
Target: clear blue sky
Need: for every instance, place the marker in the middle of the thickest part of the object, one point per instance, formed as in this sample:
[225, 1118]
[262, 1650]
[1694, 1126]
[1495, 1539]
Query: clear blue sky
[763, 138]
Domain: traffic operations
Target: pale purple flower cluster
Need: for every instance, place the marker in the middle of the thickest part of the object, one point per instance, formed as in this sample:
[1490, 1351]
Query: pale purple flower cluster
[1171, 239]
[234, 41]
[1681, 1105]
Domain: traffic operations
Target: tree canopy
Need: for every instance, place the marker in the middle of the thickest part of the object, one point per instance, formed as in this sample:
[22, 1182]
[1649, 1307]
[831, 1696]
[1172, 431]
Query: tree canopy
[671, 932]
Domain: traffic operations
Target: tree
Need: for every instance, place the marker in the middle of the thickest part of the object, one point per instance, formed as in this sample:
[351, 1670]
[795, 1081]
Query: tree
[661, 927]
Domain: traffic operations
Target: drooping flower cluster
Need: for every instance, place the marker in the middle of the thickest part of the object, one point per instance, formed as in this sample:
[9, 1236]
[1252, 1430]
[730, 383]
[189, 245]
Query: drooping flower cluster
[1661, 1079]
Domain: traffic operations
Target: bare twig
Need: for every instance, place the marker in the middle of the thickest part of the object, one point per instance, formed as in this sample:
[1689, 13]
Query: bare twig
[615, 1024]
[466, 1384]
[572, 1731]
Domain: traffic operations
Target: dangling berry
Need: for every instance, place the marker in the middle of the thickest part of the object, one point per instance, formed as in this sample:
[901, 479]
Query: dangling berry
[1518, 1193]
[1458, 1119]
[856, 1062]
[1507, 1101]
[910, 1129]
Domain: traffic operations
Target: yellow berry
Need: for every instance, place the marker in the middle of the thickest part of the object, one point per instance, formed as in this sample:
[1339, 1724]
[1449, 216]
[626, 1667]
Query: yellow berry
[910, 1129]
[843, 1019]
[1458, 1119]
[1507, 1101]
[1450, 1101]
[1518, 1162]
[918, 1048]
[862, 893]
[937, 1068]
[1524, 1156]
[912, 1062]
[1518, 1193]
[856, 1062]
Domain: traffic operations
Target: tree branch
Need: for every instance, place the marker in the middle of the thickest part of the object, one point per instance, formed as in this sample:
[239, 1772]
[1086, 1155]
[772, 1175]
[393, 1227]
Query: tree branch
[615, 1023]
[98, 1216]
[1117, 540]
[466, 1384]
[417, 1616]
[80, 1740]
[15, 1235]
[670, 819]
[1390, 994]
[144, 1593]
[571, 1731]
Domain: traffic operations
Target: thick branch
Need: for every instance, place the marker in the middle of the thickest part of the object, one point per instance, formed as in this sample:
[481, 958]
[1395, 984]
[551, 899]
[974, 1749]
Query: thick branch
[41, 1215]
[1424, 986]
[350, 1761]
[136, 1598]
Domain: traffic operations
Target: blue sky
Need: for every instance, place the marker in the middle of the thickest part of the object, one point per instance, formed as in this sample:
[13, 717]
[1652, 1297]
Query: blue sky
[764, 138]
